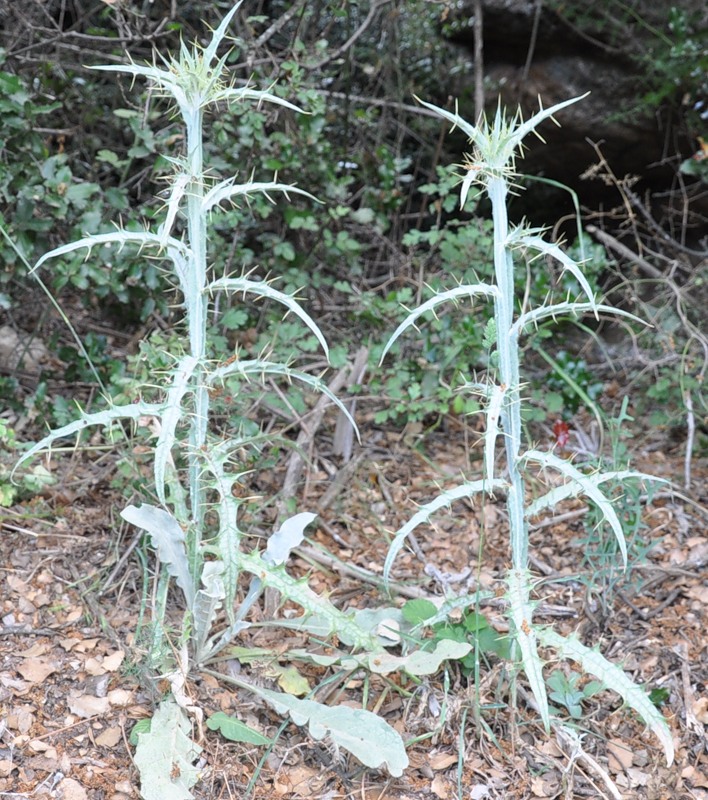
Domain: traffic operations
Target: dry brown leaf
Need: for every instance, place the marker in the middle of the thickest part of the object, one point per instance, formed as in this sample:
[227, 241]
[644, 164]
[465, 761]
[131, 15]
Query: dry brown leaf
[19, 719]
[281, 786]
[113, 661]
[109, 738]
[638, 777]
[697, 778]
[84, 645]
[550, 748]
[539, 787]
[16, 584]
[40, 746]
[6, 767]
[42, 763]
[18, 686]
[700, 709]
[305, 781]
[440, 787]
[35, 651]
[619, 754]
[88, 706]
[120, 697]
[439, 761]
[94, 667]
[72, 790]
[36, 670]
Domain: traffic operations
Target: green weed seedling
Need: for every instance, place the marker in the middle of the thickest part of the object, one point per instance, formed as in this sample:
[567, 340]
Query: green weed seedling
[471, 626]
[567, 692]
[491, 166]
[194, 527]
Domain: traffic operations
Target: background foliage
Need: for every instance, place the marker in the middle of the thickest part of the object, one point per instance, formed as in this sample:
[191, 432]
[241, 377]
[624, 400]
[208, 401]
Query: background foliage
[80, 153]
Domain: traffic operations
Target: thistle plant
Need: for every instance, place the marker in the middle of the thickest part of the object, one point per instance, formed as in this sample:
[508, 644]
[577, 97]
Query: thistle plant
[491, 166]
[195, 526]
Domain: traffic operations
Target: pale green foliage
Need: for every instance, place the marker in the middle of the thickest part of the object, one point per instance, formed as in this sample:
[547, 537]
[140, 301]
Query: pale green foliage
[491, 166]
[360, 732]
[165, 755]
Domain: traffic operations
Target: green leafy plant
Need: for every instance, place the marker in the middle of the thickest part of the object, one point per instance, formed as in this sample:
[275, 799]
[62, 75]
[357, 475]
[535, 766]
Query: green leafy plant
[42, 197]
[32, 482]
[467, 626]
[491, 166]
[567, 691]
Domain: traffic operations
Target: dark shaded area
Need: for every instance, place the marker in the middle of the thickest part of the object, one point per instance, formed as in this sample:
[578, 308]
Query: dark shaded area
[614, 51]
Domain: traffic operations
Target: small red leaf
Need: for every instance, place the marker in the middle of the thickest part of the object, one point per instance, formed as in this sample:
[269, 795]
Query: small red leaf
[562, 433]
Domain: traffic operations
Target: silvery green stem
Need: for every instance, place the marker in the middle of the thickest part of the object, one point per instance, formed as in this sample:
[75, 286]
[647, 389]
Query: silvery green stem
[508, 352]
[196, 306]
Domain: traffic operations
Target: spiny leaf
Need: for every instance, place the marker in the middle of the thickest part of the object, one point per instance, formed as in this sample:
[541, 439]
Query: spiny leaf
[615, 678]
[444, 297]
[168, 539]
[443, 500]
[588, 487]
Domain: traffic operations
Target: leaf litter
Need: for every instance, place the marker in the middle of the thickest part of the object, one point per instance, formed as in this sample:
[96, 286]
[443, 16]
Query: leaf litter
[72, 686]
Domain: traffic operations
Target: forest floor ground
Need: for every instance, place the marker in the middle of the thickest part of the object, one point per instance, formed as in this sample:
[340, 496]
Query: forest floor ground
[72, 685]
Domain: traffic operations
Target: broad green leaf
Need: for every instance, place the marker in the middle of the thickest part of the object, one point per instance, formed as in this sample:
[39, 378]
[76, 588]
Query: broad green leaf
[140, 727]
[418, 610]
[234, 730]
[362, 733]
[165, 755]
[291, 681]
[168, 539]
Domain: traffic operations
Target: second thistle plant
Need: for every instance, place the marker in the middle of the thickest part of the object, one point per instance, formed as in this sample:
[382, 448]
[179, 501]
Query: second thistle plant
[492, 167]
